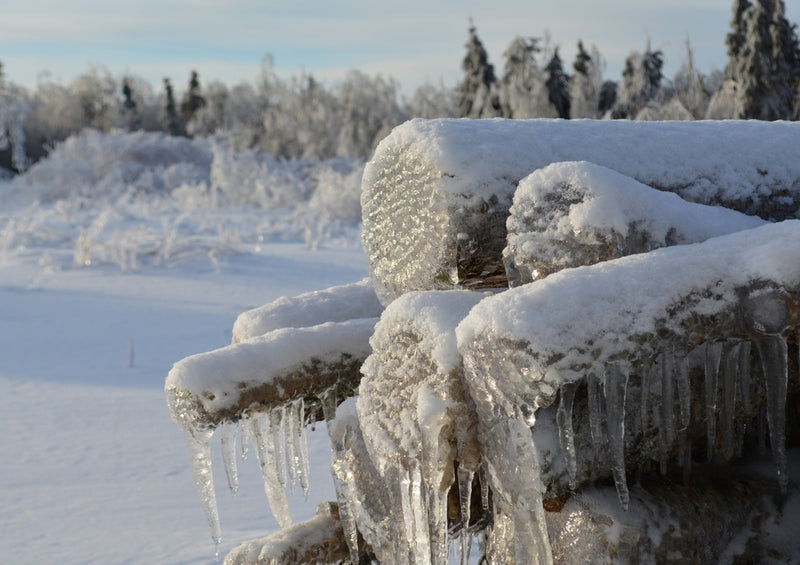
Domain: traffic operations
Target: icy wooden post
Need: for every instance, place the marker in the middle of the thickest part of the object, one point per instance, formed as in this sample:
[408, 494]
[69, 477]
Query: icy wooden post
[436, 195]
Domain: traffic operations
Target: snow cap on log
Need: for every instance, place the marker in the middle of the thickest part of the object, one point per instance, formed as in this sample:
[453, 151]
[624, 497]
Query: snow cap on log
[435, 197]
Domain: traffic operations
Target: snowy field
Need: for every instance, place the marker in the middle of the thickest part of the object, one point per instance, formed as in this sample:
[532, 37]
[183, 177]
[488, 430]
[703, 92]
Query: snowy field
[120, 255]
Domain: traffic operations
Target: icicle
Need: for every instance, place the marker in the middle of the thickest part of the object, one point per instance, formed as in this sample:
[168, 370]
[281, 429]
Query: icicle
[265, 452]
[593, 383]
[198, 440]
[648, 378]
[199, 444]
[437, 525]
[713, 354]
[276, 417]
[616, 384]
[565, 431]
[465, 477]
[301, 445]
[244, 440]
[743, 371]
[683, 386]
[730, 367]
[466, 547]
[484, 480]
[773, 353]
[227, 439]
[667, 428]
[290, 431]
[328, 400]
[343, 483]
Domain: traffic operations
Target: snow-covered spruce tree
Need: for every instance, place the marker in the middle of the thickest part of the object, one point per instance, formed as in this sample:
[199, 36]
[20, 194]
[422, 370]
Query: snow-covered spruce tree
[585, 84]
[557, 86]
[13, 110]
[477, 93]
[129, 110]
[192, 100]
[641, 83]
[763, 70]
[523, 92]
[170, 119]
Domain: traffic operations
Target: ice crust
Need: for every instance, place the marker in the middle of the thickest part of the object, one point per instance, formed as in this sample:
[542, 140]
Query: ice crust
[436, 195]
[570, 214]
[335, 304]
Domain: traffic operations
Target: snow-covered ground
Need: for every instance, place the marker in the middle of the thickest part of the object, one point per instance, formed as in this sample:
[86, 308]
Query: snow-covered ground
[110, 271]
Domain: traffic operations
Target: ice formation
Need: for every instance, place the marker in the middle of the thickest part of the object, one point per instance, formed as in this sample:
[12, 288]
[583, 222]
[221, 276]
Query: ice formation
[264, 384]
[480, 409]
[436, 195]
[623, 319]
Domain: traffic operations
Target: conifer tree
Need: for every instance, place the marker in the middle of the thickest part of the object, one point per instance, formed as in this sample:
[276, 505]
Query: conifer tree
[763, 69]
[557, 83]
[523, 93]
[171, 121]
[192, 100]
[586, 84]
[477, 93]
[641, 82]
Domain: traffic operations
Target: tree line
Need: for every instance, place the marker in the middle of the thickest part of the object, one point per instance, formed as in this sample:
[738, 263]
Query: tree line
[300, 118]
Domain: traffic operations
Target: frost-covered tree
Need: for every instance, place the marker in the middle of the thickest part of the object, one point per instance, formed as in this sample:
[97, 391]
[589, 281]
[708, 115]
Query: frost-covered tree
[431, 101]
[170, 119]
[129, 110]
[13, 110]
[368, 110]
[763, 70]
[523, 92]
[192, 100]
[557, 84]
[97, 95]
[477, 92]
[585, 83]
[690, 88]
[641, 82]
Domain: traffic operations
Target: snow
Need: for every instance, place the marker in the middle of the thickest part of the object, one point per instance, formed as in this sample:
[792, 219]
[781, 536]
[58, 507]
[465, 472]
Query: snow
[577, 213]
[95, 470]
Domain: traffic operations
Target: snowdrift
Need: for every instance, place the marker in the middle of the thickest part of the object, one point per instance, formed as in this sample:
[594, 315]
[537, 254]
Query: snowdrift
[653, 327]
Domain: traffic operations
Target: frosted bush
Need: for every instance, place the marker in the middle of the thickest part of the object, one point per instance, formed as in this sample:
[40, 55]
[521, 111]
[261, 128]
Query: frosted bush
[145, 199]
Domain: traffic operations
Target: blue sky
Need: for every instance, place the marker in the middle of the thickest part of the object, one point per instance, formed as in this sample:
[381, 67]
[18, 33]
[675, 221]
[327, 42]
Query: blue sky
[413, 41]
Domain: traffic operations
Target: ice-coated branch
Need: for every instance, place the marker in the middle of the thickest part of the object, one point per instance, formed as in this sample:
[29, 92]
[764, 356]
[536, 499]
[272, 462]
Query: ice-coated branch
[436, 195]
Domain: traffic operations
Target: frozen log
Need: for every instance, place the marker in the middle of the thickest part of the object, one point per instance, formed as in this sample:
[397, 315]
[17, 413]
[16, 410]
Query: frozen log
[571, 214]
[268, 371]
[274, 385]
[417, 425]
[335, 304]
[647, 355]
[316, 541]
[436, 195]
